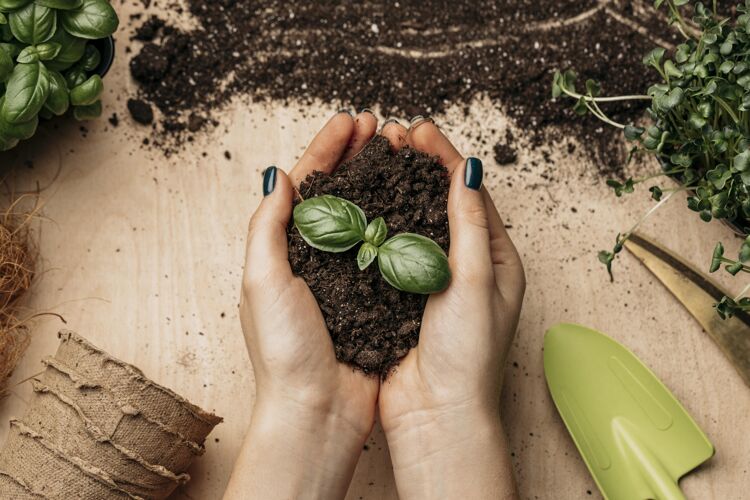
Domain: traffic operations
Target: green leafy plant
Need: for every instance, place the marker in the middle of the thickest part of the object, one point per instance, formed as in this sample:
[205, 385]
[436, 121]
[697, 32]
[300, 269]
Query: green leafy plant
[700, 122]
[47, 62]
[409, 262]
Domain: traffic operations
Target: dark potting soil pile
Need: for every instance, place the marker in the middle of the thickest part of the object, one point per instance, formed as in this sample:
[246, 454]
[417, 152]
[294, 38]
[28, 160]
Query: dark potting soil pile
[372, 324]
[409, 57]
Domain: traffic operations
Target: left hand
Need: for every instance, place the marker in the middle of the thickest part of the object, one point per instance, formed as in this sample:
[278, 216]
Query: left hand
[312, 414]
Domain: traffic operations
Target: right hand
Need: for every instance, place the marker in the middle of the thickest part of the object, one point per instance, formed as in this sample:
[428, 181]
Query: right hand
[440, 408]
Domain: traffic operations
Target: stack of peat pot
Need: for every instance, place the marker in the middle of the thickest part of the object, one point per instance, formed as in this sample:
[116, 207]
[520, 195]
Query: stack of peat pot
[97, 428]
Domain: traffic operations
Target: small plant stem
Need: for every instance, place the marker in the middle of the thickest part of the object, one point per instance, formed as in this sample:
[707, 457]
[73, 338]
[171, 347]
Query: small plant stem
[742, 293]
[727, 108]
[600, 114]
[653, 209]
[633, 97]
[681, 22]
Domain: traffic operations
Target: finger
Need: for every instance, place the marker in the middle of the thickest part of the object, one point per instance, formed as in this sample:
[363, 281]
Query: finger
[267, 254]
[509, 274]
[425, 136]
[365, 125]
[469, 254]
[395, 133]
[327, 148]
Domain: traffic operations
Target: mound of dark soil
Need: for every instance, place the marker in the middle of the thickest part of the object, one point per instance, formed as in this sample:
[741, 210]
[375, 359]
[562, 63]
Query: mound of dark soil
[372, 324]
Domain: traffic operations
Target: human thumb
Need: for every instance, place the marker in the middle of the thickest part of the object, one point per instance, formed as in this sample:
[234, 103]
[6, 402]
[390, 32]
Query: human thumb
[267, 241]
[469, 255]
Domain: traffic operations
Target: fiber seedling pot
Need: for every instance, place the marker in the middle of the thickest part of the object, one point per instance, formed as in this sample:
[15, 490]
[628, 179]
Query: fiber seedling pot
[31, 459]
[119, 422]
[129, 386]
[76, 436]
[98, 428]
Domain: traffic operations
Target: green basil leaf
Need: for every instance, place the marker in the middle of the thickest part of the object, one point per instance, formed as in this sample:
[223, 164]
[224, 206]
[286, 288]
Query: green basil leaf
[73, 49]
[376, 232]
[20, 131]
[61, 4]
[414, 263]
[34, 24]
[91, 58]
[89, 112]
[26, 92]
[75, 77]
[28, 55]
[94, 19]
[3, 18]
[6, 66]
[329, 223]
[7, 143]
[48, 50]
[88, 92]
[366, 255]
[11, 5]
[58, 100]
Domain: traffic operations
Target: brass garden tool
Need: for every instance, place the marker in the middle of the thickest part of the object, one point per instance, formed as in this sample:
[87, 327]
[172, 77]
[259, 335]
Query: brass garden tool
[698, 294]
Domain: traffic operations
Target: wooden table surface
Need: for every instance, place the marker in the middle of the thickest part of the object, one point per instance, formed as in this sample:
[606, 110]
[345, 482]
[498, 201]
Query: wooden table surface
[143, 256]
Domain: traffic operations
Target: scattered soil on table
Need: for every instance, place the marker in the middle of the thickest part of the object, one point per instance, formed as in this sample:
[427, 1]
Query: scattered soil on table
[140, 111]
[372, 324]
[410, 57]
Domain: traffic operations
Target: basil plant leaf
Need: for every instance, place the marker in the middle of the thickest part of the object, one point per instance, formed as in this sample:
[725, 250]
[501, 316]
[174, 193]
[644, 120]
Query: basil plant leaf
[26, 92]
[28, 55]
[365, 256]
[330, 223]
[20, 131]
[91, 58]
[75, 77]
[58, 101]
[7, 143]
[414, 263]
[34, 24]
[6, 66]
[88, 112]
[61, 4]
[73, 49]
[11, 5]
[88, 92]
[376, 232]
[94, 19]
[48, 50]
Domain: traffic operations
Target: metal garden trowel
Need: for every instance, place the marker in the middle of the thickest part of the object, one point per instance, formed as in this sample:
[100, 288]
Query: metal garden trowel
[635, 437]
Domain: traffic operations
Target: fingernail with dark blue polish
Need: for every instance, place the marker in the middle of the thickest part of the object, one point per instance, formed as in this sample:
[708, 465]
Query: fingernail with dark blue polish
[366, 110]
[474, 173]
[347, 111]
[269, 180]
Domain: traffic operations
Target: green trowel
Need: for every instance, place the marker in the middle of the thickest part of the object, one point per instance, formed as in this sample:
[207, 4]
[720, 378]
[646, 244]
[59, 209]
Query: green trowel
[635, 437]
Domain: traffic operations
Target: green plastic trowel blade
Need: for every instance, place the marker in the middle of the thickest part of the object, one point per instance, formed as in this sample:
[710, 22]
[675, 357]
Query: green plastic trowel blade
[635, 437]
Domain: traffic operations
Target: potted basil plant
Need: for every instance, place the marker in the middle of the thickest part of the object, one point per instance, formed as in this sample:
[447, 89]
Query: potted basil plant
[700, 126]
[53, 54]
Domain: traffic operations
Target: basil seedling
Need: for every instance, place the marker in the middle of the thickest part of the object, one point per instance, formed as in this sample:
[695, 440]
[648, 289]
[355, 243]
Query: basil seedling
[46, 63]
[409, 262]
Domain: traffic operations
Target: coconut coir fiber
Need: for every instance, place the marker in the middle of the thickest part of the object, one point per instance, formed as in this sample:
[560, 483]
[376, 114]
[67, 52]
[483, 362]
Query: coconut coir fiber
[372, 324]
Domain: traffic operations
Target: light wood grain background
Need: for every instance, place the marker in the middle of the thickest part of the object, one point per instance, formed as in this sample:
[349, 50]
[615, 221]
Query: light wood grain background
[143, 255]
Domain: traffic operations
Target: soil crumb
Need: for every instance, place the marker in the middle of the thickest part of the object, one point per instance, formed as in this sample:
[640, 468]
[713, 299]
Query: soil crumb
[372, 324]
[141, 111]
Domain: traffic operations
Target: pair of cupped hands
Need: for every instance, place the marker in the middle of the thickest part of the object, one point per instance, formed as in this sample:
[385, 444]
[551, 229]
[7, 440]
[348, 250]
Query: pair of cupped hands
[439, 409]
